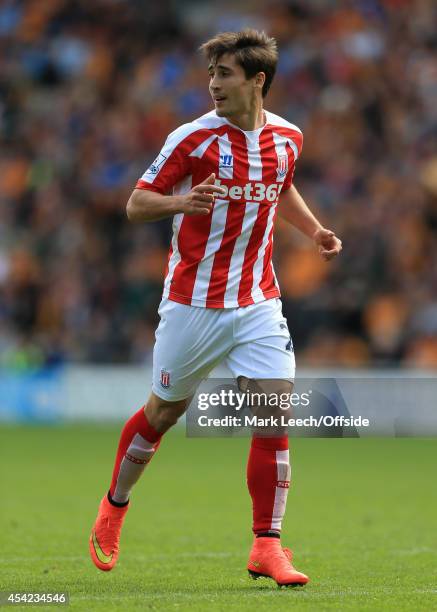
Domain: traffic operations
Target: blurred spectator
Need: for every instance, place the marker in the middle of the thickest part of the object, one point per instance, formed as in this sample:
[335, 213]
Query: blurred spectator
[88, 93]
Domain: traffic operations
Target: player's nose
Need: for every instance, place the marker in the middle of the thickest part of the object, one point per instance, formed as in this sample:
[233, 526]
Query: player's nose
[213, 84]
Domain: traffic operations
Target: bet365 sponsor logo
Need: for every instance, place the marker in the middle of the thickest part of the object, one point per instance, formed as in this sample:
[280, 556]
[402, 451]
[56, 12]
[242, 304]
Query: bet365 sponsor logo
[250, 192]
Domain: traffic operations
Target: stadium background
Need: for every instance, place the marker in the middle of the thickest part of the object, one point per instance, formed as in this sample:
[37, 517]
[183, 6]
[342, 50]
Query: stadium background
[88, 93]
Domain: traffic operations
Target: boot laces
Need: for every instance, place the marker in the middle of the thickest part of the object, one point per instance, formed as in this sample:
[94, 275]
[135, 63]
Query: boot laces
[108, 532]
[283, 557]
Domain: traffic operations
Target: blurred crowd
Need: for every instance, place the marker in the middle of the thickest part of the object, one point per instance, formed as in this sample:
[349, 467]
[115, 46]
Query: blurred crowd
[89, 92]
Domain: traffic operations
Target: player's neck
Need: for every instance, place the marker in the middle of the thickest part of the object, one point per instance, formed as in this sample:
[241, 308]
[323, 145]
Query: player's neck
[253, 120]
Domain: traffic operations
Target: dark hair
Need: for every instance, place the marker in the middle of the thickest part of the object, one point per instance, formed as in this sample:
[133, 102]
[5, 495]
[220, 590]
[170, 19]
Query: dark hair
[254, 51]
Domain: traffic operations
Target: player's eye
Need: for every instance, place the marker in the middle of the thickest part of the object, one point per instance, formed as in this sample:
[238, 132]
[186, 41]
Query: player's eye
[220, 73]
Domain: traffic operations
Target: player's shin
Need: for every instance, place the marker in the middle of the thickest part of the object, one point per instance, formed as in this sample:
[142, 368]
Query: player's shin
[138, 443]
[268, 480]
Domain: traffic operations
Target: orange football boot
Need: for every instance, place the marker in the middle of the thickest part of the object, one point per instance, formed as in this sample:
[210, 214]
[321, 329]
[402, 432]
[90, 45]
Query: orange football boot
[269, 560]
[105, 535]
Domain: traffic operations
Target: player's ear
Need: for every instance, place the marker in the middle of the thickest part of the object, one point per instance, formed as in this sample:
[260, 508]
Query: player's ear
[260, 79]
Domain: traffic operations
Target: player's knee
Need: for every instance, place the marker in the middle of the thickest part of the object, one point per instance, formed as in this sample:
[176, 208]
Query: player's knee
[266, 390]
[268, 398]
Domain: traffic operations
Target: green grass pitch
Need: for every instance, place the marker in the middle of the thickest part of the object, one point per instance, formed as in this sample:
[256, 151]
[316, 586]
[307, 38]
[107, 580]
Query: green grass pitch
[361, 520]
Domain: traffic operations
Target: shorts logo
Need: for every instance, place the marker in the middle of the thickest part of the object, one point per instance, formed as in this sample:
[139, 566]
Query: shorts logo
[154, 168]
[226, 161]
[282, 166]
[165, 379]
[289, 346]
[283, 484]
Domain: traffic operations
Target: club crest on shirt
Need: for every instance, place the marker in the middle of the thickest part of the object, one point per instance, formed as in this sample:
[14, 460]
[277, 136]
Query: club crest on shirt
[154, 168]
[282, 166]
[165, 379]
[226, 161]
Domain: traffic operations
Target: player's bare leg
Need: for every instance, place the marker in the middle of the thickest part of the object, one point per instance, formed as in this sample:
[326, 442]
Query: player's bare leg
[268, 479]
[139, 441]
[162, 414]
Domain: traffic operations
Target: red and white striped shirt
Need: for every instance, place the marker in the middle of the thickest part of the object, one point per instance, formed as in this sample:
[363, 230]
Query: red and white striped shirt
[224, 259]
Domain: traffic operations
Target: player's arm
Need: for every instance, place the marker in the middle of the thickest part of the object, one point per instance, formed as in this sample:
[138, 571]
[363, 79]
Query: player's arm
[145, 205]
[292, 208]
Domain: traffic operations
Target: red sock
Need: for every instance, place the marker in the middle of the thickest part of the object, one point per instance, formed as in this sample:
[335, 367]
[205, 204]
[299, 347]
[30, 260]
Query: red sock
[268, 480]
[136, 432]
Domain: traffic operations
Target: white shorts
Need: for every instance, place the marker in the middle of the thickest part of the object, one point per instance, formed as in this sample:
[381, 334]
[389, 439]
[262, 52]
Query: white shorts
[253, 341]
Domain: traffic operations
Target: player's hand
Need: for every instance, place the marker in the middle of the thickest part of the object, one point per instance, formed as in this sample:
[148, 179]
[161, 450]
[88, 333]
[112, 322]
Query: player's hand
[199, 200]
[328, 243]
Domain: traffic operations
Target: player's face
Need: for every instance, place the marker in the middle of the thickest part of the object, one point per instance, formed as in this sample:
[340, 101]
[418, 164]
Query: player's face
[232, 93]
